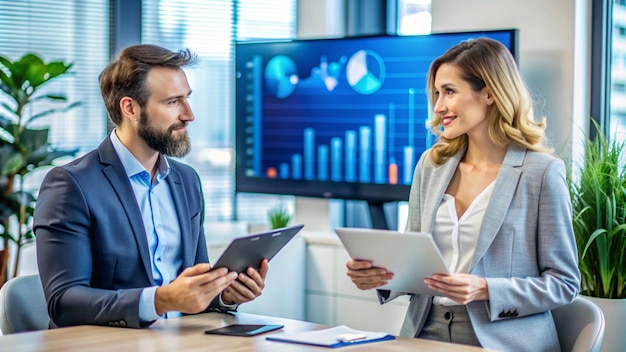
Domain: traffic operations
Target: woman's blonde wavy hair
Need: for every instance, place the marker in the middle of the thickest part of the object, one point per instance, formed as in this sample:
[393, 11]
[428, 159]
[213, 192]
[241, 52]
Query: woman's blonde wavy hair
[487, 63]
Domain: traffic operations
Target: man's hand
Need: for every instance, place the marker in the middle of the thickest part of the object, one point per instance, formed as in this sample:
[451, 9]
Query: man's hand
[461, 288]
[193, 290]
[366, 277]
[248, 287]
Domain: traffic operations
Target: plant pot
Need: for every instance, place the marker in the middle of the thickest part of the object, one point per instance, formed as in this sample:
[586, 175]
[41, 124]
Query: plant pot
[614, 311]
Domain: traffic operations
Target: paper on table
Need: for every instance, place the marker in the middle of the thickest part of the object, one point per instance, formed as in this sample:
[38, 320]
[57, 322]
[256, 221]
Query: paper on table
[330, 337]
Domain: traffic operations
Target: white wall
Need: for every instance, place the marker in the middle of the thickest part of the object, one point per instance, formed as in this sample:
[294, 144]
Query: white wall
[321, 19]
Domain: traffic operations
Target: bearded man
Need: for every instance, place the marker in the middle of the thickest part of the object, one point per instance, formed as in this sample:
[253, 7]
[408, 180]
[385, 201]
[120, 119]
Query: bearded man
[119, 231]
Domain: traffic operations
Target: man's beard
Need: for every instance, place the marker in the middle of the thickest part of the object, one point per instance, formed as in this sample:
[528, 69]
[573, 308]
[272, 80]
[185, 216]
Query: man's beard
[164, 141]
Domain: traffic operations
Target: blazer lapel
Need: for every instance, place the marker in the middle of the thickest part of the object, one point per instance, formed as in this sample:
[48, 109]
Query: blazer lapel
[182, 210]
[501, 198]
[440, 179]
[116, 174]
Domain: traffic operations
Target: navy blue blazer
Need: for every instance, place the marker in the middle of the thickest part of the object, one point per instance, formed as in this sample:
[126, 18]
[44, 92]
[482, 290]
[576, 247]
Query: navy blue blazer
[92, 250]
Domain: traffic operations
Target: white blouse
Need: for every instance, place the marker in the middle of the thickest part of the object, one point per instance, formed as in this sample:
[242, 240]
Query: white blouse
[457, 237]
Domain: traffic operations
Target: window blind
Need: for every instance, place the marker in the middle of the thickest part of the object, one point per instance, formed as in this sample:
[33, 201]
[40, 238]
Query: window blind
[74, 32]
[210, 28]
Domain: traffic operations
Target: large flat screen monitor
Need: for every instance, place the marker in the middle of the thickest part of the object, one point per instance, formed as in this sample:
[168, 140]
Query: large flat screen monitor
[337, 118]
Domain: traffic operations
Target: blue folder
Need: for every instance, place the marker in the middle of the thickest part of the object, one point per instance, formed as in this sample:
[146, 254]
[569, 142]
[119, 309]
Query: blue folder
[330, 337]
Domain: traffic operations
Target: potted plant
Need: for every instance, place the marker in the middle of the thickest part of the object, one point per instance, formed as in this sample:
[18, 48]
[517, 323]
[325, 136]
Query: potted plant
[598, 192]
[279, 217]
[22, 148]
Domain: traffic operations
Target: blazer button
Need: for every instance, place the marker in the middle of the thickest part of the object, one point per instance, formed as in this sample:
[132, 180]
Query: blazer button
[123, 323]
[111, 323]
[501, 315]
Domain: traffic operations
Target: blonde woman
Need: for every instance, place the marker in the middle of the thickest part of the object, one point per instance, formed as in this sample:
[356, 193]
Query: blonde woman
[498, 207]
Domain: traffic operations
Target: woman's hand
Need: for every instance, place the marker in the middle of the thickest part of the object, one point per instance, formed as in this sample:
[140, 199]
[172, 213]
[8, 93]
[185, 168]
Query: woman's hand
[366, 277]
[461, 288]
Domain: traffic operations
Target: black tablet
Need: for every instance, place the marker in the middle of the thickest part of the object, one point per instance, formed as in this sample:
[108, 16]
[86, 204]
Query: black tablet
[244, 329]
[249, 251]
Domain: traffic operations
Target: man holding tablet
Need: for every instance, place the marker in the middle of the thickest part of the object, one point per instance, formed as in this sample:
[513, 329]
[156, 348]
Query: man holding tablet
[120, 238]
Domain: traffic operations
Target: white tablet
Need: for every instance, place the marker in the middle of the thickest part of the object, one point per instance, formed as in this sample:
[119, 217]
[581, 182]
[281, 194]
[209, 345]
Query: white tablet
[249, 251]
[410, 256]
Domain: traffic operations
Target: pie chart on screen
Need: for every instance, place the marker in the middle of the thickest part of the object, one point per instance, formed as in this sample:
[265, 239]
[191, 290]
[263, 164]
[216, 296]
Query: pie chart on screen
[281, 76]
[365, 71]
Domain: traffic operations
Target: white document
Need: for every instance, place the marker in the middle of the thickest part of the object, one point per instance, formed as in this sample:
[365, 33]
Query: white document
[410, 256]
[332, 337]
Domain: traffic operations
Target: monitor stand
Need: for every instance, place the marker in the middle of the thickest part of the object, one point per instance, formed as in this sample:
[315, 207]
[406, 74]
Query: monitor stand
[315, 214]
[377, 215]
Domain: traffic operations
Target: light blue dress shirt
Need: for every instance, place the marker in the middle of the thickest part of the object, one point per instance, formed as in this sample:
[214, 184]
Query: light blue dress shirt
[160, 221]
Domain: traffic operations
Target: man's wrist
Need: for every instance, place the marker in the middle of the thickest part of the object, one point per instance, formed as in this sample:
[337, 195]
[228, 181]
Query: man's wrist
[160, 301]
[228, 306]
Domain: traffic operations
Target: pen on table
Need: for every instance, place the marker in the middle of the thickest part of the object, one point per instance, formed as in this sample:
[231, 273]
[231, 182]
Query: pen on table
[351, 337]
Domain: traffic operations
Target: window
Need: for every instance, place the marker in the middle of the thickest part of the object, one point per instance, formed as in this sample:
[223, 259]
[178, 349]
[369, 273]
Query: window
[78, 32]
[617, 94]
[619, 87]
[74, 32]
[210, 28]
[414, 17]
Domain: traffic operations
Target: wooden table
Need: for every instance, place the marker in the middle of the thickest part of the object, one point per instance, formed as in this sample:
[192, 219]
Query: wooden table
[187, 334]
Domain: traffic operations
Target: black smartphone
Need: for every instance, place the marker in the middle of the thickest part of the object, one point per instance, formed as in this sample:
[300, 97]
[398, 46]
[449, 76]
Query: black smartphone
[244, 329]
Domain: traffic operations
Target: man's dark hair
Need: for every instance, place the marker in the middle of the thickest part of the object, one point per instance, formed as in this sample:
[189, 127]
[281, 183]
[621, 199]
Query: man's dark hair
[126, 77]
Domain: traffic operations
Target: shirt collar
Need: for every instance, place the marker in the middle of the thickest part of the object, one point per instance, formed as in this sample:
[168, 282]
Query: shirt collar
[131, 164]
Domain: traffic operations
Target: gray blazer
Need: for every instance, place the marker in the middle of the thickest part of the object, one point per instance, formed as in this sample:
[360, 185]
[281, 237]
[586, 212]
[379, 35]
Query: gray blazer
[526, 250]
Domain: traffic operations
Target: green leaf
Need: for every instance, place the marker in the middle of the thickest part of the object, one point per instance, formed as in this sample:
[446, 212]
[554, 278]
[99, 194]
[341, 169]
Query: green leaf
[57, 68]
[5, 80]
[7, 235]
[19, 71]
[33, 139]
[45, 157]
[10, 109]
[599, 217]
[279, 217]
[36, 74]
[51, 111]
[6, 83]
[23, 149]
[29, 235]
[49, 97]
[6, 136]
[5, 62]
[12, 164]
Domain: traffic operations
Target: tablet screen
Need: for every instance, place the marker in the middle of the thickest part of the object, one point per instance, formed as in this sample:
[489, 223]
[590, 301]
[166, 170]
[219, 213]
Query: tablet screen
[249, 251]
[410, 256]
